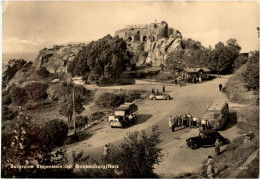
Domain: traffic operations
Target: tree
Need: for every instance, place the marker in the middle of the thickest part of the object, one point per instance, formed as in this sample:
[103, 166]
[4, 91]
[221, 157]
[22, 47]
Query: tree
[101, 61]
[138, 154]
[53, 134]
[18, 96]
[43, 72]
[36, 91]
[66, 107]
[251, 76]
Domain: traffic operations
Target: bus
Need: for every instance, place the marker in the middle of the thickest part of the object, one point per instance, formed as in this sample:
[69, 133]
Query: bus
[217, 114]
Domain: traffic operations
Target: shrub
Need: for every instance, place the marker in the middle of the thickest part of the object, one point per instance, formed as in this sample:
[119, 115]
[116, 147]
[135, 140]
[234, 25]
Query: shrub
[36, 91]
[164, 76]
[137, 154]
[8, 114]
[6, 99]
[96, 116]
[18, 96]
[109, 100]
[132, 96]
[43, 72]
[53, 134]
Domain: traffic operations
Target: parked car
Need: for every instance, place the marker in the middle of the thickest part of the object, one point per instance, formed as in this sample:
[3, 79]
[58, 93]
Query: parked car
[206, 138]
[160, 96]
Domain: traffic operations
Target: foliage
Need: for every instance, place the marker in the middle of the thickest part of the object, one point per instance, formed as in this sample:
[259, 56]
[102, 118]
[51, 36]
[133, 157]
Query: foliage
[241, 60]
[36, 91]
[8, 114]
[132, 96]
[66, 105]
[109, 100]
[251, 76]
[6, 99]
[164, 76]
[53, 134]
[18, 96]
[101, 61]
[43, 72]
[137, 154]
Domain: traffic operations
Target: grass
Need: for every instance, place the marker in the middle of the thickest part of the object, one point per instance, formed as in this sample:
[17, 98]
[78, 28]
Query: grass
[236, 90]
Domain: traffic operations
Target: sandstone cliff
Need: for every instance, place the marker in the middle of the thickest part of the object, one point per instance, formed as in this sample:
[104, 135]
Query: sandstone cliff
[151, 43]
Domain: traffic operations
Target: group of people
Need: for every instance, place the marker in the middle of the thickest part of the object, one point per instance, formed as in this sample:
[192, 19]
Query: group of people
[157, 91]
[186, 120]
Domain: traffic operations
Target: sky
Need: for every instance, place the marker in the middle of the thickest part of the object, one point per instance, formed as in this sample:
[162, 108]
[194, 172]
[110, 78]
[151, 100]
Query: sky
[29, 26]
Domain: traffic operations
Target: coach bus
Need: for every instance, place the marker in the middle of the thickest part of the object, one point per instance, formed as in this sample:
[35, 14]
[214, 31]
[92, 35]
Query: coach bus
[217, 114]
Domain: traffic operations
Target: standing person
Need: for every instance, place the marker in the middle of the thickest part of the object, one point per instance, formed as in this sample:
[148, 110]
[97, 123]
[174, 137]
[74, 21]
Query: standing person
[203, 124]
[153, 91]
[173, 124]
[210, 167]
[157, 91]
[163, 89]
[195, 122]
[217, 146]
[220, 86]
[190, 121]
[181, 119]
[105, 153]
[185, 120]
[170, 121]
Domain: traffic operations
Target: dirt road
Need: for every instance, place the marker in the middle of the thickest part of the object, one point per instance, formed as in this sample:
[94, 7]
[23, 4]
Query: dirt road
[178, 159]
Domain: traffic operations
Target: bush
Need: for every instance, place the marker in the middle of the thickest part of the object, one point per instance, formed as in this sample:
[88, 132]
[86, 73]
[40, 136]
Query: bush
[53, 134]
[43, 72]
[36, 91]
[132, 96]
[96, 116]
[6, 99]
[164, 77]
[137, 154]
[18, 96]
[109, 100]
[8, 114]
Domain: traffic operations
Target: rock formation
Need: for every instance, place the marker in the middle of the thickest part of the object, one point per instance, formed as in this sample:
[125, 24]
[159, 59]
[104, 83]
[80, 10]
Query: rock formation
[156, 40]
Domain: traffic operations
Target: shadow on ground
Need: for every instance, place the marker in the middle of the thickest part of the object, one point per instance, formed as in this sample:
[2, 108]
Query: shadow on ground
[142, 118]
[80, 137]
[231, 121]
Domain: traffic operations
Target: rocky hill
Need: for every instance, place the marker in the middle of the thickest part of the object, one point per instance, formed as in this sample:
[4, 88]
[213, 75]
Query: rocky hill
[57, 59]
[151, 42]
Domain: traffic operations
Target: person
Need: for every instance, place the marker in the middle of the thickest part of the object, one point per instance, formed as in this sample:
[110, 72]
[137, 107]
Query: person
[153, 91]
[170, 121]
[195, 122]
[181, 119]
[203, 124]
[190, 121]
[105, 153]
[220, 86]
[210, 167]
[185, 120]
[173, 124]
[157, 91]
[163, 89]
[217, 146]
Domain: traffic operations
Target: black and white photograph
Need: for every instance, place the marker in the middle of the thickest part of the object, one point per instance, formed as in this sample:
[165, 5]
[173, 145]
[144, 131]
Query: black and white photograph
[130, 89]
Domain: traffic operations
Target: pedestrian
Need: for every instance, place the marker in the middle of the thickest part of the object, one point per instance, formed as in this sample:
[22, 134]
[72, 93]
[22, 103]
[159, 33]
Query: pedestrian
[181, 119]
[195, 122]
[157, 91]
[217, 146]
[210, 164]
[153, 91]
[203, 124]
[178, 120]
[105, 153]
[170, 121]
[185, 118]
[173, 124]
[163, 88]
[220, 86]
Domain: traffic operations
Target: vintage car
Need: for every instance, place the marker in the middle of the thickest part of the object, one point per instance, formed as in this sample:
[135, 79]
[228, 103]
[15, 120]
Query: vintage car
[206, 138]
[160, 96]
[123, 116]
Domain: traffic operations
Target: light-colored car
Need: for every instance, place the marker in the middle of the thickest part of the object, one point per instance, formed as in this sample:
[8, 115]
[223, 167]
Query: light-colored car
[160, 96]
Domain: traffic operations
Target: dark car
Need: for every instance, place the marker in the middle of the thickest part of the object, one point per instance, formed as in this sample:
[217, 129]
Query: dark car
[206, 138]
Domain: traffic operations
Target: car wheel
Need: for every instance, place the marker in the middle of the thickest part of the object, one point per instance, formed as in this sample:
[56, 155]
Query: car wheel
[154, 98]
[194, 146]
[168, 98]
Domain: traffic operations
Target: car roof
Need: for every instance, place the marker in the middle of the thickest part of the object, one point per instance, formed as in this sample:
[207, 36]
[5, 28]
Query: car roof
[217, 106]
[209, 131]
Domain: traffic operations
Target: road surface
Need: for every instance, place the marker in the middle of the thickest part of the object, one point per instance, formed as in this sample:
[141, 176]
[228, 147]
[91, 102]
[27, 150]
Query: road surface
[178, 159]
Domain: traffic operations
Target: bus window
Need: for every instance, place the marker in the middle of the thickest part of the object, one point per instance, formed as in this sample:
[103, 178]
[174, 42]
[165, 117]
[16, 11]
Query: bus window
[216, 116]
